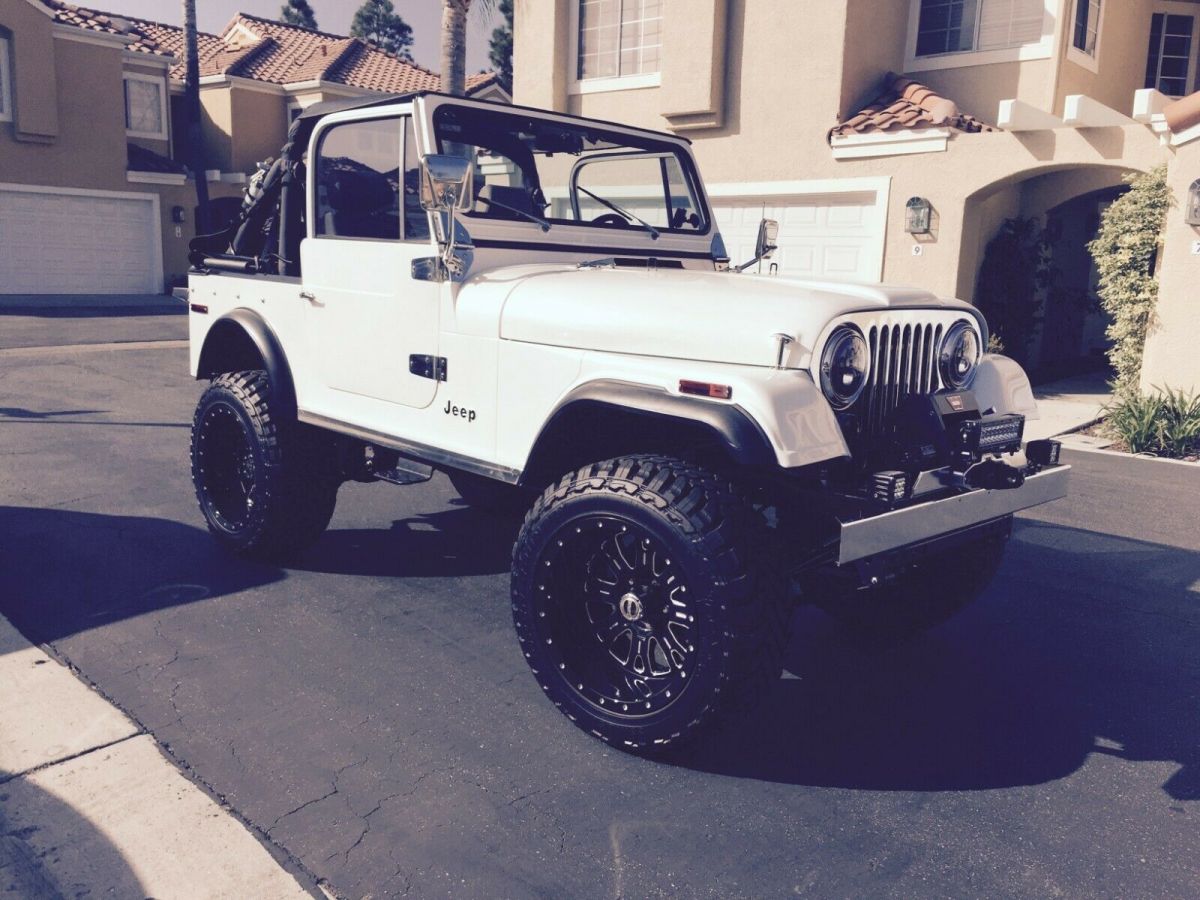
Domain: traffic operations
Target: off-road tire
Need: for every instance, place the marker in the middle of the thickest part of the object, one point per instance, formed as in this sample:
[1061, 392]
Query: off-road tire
[929, 593]
[688, 521]
[489, 495]
[293, 483]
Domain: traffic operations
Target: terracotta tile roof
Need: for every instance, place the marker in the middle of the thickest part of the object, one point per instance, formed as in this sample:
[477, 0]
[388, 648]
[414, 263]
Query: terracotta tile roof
[266, 50]
[906, 104]
[479, 81]
[108, 23]
[139, 159]
[371, 68]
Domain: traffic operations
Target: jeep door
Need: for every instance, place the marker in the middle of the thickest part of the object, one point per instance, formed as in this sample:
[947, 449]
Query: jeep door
[370, 324]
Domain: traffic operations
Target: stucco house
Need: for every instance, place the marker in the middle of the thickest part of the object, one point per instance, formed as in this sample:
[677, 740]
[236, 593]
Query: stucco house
[831, 117]
[94, 191]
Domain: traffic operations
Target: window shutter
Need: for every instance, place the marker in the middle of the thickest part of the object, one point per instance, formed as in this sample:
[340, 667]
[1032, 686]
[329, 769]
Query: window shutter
[1010, 23]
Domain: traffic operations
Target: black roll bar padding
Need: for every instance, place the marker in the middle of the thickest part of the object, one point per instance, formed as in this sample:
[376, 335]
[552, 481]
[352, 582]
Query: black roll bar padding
[247, 265]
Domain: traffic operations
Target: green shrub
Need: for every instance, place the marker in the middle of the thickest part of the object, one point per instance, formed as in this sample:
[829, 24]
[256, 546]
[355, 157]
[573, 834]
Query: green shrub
[1165, 422]
[1125, 252]
[1179, 422]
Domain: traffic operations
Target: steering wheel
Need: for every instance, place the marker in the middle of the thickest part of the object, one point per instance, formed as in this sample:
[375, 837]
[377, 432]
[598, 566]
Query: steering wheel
[609, 219]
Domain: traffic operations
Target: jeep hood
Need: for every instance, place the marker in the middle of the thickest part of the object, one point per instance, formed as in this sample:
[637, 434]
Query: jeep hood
[684, 314]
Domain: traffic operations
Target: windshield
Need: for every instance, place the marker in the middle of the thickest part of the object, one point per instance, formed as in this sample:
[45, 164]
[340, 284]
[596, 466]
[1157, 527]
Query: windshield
[571, 175]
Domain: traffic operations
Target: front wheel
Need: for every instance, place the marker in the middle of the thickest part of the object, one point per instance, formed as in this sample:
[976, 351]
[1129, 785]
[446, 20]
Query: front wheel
[644, 603]
[266, 486]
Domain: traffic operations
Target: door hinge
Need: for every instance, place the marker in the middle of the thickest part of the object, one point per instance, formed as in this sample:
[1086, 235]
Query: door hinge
[428, 366]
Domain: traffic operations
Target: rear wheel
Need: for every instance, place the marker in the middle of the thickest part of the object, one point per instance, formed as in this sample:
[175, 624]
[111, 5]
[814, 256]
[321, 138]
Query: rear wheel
[266, 487]
[644, 603]
[925, 595]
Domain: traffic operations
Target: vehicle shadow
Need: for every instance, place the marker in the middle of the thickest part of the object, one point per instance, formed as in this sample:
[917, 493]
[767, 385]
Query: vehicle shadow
[1085, 643]
[62, 572]
[50, 849]
[455, 542]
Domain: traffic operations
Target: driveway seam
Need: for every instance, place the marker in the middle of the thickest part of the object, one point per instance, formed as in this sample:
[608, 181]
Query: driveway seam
[12, 776]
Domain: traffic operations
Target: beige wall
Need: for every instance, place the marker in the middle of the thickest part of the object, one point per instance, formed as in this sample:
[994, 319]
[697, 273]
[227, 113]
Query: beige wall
[872, 46]
[216, 112]
[89, 102]
[34, 67]
[259, 127]
[1124, 37]
[793, 69]
[1173, 346]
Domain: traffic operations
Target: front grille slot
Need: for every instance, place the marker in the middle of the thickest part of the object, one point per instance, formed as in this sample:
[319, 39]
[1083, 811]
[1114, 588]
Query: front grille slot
[903, 363]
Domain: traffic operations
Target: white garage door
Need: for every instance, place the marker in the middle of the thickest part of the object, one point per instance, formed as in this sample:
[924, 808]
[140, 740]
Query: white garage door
[826, 236]
[69, 243]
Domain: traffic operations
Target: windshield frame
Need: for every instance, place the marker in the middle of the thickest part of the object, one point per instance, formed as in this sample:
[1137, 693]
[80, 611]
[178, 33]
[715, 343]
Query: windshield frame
[656, 144]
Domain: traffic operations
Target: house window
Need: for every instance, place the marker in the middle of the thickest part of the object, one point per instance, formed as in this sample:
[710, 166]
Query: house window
[619, 38]
[959, 26]
[145, 106]
[6, 111]
[1087, 26]
[1168, 59]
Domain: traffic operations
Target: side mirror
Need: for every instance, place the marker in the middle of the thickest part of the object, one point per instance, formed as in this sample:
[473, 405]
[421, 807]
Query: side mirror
[768, 239]
[766, 245]
[447, 183]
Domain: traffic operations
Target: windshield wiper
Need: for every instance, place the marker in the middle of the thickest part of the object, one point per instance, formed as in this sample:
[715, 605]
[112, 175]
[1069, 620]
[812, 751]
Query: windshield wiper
[623, 213]
[520, 212]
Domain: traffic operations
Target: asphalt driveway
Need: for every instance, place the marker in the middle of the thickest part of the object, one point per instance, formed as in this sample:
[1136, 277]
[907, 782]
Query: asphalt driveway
[368, 710]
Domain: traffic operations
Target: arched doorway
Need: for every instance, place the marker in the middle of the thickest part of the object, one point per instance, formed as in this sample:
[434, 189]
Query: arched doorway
[1073, 325]
[1025, 246]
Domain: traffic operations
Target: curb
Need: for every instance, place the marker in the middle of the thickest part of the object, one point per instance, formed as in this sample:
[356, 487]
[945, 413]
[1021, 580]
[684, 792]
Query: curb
[92, 801]
[1160, 459]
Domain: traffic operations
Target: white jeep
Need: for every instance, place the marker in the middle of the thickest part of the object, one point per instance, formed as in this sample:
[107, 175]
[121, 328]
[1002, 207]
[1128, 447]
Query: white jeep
[542, 307]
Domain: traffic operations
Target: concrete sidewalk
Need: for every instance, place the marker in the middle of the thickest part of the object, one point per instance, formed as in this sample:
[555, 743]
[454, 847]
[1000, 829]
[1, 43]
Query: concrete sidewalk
[1068, 404]
[56, 320]
[89, 805]
[102, 302]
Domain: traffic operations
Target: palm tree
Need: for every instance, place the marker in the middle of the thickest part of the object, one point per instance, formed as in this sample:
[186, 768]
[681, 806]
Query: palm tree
[195, 137]
[454, 41]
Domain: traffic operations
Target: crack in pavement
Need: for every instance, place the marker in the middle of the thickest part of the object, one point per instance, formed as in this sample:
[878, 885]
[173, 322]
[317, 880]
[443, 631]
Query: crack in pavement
[333, 791]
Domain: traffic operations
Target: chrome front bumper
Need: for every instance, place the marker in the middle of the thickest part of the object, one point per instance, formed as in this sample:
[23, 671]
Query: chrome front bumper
[914, 524]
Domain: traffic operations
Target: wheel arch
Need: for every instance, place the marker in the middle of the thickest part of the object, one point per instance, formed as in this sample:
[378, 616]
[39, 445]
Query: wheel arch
[241, 340]
[608, 418]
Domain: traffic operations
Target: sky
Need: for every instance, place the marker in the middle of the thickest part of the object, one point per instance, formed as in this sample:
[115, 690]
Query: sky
[425, 17]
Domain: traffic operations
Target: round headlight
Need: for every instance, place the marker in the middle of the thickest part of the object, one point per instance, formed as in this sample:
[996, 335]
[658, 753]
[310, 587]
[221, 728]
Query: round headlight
[844, 366]
[959, 356]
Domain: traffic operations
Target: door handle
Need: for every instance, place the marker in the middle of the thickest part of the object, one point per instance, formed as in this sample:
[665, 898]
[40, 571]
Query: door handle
[309, 296]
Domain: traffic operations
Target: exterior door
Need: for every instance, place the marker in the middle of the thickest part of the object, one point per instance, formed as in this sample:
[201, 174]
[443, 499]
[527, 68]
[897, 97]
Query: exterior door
[367, 316]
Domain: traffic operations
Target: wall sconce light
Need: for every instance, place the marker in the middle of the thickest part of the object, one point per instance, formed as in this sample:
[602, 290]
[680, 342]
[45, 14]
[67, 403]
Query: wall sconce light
[918, 215]
[1193, 204]
[177, 215]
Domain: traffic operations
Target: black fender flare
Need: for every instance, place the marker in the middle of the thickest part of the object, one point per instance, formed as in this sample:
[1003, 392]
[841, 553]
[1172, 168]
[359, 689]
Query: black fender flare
[246, 323]
[736, 430]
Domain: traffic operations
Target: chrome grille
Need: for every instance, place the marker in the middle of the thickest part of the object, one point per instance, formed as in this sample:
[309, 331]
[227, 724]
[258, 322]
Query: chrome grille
[903, 363]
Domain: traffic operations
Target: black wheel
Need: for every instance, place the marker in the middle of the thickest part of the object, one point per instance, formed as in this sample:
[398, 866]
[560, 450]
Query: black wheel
[927, 594]
[266, 487]
[645, 603]
[490, 495]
